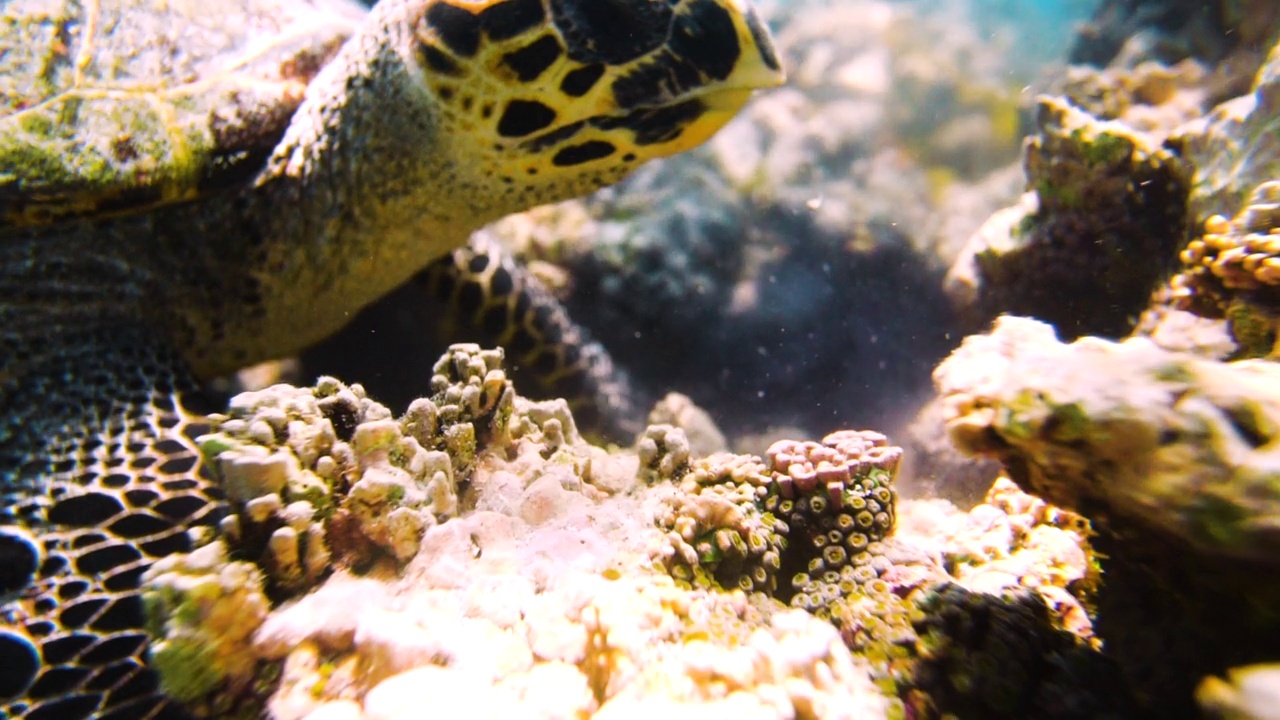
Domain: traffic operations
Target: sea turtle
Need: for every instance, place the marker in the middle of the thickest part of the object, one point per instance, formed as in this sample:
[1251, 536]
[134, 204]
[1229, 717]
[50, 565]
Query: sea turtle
[187, 186]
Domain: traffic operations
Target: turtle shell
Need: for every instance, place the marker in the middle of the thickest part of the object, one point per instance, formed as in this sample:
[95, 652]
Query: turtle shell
[117, 106]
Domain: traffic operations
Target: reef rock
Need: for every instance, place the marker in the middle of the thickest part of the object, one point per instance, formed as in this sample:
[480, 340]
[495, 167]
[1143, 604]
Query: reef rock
[1095, 234]
[1172, 457]
[1236, 147]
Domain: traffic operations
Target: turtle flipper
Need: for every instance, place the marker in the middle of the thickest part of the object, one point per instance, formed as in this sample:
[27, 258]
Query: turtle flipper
[99, 467]
[491, 300]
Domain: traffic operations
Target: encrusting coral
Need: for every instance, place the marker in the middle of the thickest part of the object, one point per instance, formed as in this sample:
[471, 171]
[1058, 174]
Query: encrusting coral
[837, 499]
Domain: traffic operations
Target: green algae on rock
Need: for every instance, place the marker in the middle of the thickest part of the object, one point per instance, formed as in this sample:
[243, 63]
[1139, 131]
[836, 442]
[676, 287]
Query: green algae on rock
[1095, 234]
[203, 609]
[1172, 458]
[1181, 445]
[1236, 147]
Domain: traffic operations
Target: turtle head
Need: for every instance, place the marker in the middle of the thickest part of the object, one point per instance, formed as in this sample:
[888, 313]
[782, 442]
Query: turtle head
[559, 97]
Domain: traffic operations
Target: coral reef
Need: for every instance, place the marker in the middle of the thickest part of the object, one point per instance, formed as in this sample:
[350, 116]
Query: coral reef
[1232, 272]
[1235, 148]
[1093, 237]
[313, 471]
[493, 553]
[837, 500]
[1171, 456]
[717, 534]
[1152, 98]
[1223, 285]
[819, 515]
[1127, 32]
[502, 563]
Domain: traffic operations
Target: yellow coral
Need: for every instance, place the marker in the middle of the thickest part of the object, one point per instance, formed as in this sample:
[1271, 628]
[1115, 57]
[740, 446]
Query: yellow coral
[1242, 253]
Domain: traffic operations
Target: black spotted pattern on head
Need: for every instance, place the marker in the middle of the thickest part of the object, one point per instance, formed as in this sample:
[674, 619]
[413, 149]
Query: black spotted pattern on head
[554, 137]
[656, 81]
[763, 40]
[611, 31]
[533, 59]
[524, 117]
[503, 21]
[705, 36]
[579, 82]
[439, 61]
[583, 152]
[655, 125]
[458, 29]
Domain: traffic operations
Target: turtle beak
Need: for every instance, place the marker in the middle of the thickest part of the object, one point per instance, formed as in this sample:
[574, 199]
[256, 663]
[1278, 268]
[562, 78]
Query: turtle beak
[758, 66]
[755, 67]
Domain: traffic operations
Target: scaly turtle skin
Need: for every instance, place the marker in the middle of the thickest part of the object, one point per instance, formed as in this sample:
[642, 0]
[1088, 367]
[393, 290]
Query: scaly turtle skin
[188, 186]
